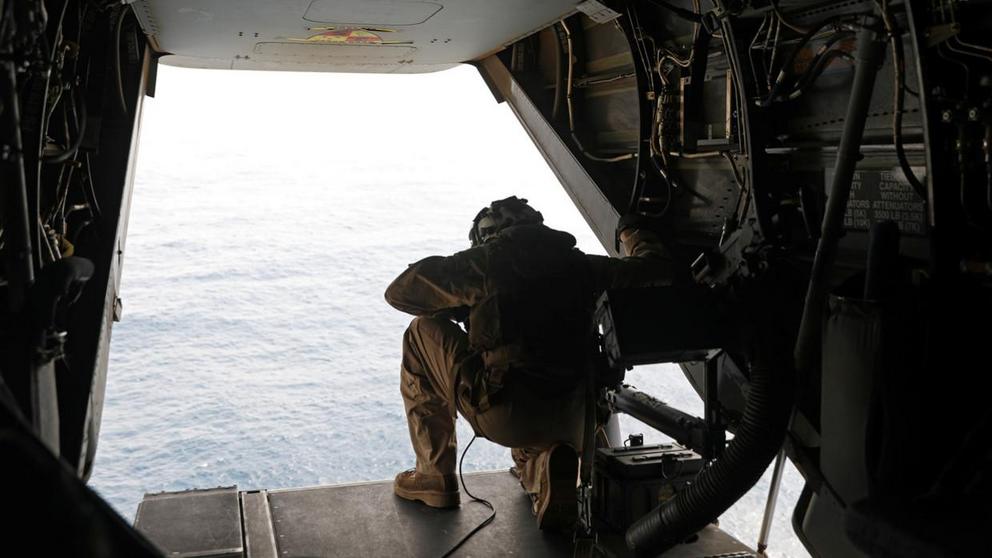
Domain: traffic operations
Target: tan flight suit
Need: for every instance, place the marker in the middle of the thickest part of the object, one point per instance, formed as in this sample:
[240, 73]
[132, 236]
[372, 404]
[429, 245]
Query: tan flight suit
[516, 375]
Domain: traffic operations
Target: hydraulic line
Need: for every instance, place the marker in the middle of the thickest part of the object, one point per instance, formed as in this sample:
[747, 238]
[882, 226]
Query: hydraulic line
[869, 56]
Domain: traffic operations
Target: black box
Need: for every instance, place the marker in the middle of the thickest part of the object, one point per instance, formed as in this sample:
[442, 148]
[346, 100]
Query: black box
[628, 482]
[648, 325]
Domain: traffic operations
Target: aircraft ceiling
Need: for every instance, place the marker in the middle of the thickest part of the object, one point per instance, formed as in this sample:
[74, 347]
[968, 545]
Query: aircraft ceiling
[377, 36]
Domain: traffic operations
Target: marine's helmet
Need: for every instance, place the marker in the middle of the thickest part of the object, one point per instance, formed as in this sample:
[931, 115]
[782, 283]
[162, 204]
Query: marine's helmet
[499, 215]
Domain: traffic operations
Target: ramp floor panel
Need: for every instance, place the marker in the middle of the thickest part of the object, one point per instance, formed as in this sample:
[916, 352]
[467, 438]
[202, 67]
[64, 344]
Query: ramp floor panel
[193, 523]
[367, 519]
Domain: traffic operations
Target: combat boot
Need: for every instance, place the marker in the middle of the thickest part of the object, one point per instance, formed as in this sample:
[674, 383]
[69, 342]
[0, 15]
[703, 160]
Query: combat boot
[557, 505]
[437, 491]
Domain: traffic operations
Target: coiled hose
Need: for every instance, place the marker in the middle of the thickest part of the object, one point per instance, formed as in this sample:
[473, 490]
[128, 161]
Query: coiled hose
[758, 439]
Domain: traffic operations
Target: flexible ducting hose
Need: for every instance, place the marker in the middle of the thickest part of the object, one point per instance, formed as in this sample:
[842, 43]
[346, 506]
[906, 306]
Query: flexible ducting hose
[758, 439]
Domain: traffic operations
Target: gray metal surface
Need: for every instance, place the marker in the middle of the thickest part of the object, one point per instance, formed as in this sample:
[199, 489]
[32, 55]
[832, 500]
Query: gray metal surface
[194, 523]
[260, 536]
[368, 520]
[380, 36]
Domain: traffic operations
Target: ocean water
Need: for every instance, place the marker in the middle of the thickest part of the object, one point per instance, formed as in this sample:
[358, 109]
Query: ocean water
[270, 212]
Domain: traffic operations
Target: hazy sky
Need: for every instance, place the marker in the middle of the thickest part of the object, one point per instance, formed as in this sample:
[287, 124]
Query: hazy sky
[444, 125]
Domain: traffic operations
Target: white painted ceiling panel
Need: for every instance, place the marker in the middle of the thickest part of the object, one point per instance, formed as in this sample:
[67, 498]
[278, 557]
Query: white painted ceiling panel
[371, 12]
[379, 36]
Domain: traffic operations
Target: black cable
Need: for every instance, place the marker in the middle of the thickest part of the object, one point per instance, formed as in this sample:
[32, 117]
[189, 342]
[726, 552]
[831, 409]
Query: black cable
[77, 142]
[819, 63]
[487, 503]
[816, 70]
[784, 72]
[638, 35]
[899, 93]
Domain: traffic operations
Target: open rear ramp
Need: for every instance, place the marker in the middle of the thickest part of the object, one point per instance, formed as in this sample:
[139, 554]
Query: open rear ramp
[366, 519]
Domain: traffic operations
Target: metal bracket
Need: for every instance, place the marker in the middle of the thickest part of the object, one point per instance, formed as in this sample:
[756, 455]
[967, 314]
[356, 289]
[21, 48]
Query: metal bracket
[716, 435]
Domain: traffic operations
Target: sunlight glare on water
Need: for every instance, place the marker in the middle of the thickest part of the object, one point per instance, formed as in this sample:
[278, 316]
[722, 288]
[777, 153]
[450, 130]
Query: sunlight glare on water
[270, 212]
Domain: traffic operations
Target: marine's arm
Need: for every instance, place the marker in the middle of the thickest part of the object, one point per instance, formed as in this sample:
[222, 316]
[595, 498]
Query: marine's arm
[439, 285]
[647, 263]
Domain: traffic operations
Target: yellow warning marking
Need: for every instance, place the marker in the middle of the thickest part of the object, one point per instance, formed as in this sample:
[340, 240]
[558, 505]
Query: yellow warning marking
[348, 36]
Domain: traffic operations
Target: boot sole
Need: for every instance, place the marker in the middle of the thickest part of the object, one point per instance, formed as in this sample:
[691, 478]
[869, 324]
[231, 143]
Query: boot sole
[560, 509]
[432, 499]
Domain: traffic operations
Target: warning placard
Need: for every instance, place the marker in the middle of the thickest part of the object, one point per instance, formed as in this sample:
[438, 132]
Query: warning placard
[878, 195]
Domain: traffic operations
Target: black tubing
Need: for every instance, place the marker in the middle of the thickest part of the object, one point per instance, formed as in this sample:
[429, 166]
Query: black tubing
[758, 439]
